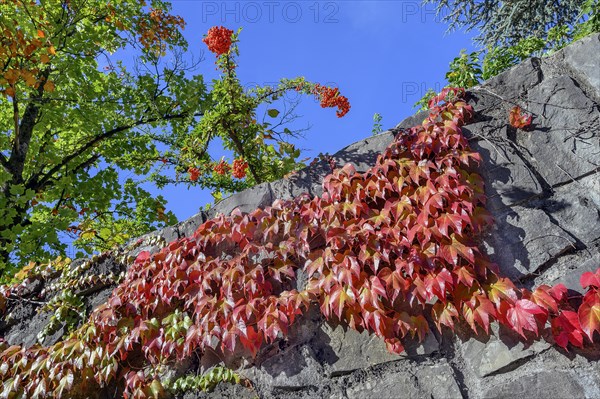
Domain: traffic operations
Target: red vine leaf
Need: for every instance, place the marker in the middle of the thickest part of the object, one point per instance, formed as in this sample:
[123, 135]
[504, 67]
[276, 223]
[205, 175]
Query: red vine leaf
[589, 279]
[589, 314]
[478, 312]
[518, 119]
[522, 316]
[566, 328]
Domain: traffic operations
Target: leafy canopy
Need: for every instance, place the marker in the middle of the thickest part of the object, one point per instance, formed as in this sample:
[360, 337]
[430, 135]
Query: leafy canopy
[82, 127]
[468, 70]
[72, 118]
[506, 22]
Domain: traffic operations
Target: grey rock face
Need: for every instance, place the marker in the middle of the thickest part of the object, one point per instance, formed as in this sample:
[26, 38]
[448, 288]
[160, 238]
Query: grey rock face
[502, 349]
[246, 201]
[575, 209]
[389, 386]
[563, 144]
[438, 381]
[516, 81]
[291, 370]
[539, 385]
[353, 350]
[524, 239]
[571, 278]
[508, 176]
[582, 58]
[429, 381]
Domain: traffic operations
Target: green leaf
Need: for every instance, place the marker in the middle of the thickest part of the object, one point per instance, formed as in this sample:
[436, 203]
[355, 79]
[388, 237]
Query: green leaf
[17, 189]
[273, 113]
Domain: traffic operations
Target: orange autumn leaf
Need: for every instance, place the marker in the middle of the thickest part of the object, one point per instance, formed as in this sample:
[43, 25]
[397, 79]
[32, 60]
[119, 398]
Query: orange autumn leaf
[49, 87]
[10, 92]
[518, 119]
[11, 76]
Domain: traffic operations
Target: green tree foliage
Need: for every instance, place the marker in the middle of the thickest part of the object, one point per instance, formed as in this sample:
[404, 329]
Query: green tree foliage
[261, 151]
[71, 118]
[507, 22]
[82, 127]
[468, 70]
[464, 70]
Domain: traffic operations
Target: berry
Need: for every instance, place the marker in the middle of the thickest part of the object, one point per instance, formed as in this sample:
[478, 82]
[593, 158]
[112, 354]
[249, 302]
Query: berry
[330, 97]
[222, 168]
[194, 173]
[218, 40]
[239, 168]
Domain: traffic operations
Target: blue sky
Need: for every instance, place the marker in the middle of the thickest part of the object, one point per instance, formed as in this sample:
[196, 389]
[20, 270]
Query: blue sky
[383, 55]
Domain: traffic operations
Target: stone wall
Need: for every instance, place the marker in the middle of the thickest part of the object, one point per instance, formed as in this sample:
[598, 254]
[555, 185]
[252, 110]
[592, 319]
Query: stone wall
[544, 192]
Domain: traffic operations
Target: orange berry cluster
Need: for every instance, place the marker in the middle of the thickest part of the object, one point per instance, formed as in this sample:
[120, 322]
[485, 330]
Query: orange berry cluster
[194, 173]
[330, 97]
[218, 40]
[239, 168]
[222, 168]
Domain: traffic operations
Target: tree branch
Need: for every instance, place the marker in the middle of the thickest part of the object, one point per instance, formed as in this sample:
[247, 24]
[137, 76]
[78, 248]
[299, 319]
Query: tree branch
[240, 148]
[4, 162]
[24, 132]
[38, 182]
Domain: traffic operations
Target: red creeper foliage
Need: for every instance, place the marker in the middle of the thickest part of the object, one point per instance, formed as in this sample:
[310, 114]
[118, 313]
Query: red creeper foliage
[389, 250]
[518, 119]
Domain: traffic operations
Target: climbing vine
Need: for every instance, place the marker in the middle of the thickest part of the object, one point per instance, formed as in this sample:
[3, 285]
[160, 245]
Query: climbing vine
[392, 251]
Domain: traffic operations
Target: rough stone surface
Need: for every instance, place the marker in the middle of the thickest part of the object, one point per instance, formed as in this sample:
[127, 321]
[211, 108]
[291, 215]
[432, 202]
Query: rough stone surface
[438, 381]
[292, 369]
[544, 192]
[544, 384]
[516, 81]
[434, 381]
[563, 145]
[509, 179]
[28, 324]
[575, 209]
[246, 201]
[189, 226]
[571, 278]
[524, 239]
[388, 386]
[582, 58]
[502, 349]
[352, 350]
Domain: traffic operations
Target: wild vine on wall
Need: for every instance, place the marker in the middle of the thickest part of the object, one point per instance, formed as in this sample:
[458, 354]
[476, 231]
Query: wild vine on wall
[391, 251]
